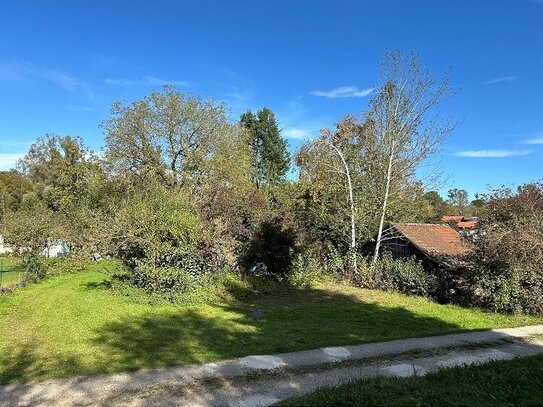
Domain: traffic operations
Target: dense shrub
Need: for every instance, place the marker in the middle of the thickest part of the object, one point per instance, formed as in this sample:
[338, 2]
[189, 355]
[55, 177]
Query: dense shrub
[272, 244]
[403, 275]
[159, 231]
[161, 279]
[306, 272]
[507, 268]
[35, 268]
[505, 289]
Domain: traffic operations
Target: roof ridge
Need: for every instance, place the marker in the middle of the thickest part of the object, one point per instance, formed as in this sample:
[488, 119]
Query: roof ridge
[420, 224]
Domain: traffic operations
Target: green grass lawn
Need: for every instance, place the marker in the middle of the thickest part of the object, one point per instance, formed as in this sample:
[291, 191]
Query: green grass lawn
[72, 324]
[11, 271]
[517, 382]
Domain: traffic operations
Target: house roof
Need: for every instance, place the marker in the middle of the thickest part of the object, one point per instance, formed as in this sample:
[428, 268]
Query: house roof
[467, 224]
[453, 218]
[435, 240]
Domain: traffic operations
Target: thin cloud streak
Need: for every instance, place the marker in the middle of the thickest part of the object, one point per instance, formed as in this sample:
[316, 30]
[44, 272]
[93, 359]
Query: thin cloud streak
[492, 153]
[18, 72]
[535, 140]
[343, 92]
[296, 133]
[145, 81]
[501, 79]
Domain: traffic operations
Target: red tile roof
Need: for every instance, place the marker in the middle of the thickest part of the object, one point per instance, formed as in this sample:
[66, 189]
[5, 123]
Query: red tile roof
[467, 224]
[434, 240]
[453, 218]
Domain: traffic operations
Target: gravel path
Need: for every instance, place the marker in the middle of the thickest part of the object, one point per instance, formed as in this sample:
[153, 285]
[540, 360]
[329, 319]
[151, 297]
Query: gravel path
[264, 380]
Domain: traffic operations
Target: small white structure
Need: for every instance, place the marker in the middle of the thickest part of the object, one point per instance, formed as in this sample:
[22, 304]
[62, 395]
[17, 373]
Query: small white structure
[58, 248]
[4, 248]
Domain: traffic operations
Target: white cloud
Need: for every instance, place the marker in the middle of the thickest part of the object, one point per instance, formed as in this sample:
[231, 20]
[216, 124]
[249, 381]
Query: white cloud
[19, 71]
[535, 140]
[146, 81]
[343, 92]
[492, 153]
[296, 133]
[8, 160]
[501, 79]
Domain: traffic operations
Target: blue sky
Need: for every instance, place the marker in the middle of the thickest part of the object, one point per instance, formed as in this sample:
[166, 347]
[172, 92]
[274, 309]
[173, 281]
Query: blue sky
[62, 64]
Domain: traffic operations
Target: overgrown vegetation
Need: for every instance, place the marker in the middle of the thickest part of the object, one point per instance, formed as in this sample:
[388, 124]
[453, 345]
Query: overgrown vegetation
[507, 269]
[187, 199]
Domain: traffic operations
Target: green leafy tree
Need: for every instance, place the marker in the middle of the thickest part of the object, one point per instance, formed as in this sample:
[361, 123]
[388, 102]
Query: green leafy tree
[13, 187]
[507, 269]
[65, 173]
[458, 198]
[163, 138]
[271, 158]
[438, 206]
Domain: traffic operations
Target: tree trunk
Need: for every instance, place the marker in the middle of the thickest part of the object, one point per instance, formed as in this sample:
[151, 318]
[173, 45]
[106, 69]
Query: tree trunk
[384, 208]
[351, 203]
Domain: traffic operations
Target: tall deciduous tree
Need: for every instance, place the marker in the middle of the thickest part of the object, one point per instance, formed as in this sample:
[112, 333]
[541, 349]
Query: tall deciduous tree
[67, 179]
[406, 129]
[337, 158]
[271, 158]
[165, 136]
[459, 199]
[13, 187]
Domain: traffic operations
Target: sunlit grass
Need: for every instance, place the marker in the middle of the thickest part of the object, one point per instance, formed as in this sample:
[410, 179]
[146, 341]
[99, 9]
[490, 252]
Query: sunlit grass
[516, 382]
[11, 271]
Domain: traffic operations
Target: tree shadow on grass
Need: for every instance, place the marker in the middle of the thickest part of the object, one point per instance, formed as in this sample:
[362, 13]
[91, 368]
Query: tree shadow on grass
[201, 334]
[292, 320]
[22, 363]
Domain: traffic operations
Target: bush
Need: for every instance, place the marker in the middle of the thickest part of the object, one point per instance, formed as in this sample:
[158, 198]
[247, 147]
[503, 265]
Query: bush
[159, 232]
[507, 268]
[305, 272]
[273, 245]
[161, 279]
[406, 276]
[64, 265]
[35, 268]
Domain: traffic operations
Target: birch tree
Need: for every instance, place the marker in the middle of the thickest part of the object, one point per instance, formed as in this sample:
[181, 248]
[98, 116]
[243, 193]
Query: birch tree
[336, 156]
[406, 129]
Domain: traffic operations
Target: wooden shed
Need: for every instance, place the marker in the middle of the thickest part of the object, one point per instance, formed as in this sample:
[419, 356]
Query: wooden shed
[437, 245]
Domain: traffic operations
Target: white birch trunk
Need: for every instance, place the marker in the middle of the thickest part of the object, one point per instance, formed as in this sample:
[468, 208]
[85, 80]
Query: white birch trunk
[384, 207]
[351, 203]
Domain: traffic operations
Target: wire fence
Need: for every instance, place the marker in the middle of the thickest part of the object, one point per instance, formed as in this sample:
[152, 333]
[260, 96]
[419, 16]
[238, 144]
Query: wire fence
[12, 273]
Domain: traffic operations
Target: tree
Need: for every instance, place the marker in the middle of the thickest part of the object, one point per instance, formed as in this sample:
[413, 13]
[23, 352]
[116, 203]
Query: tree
[13, 187]
[31, 228]
[479, 204]
[459, 199]
[164, 137]
[63, 171]
[404, 134]
[68, 179]
[336, 158]
[271, 158]
[507, 270]
[437, 203]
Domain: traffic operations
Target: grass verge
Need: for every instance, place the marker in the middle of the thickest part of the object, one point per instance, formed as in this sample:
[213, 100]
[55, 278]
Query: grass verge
[11, 271]
[501, 383]
[72, 324]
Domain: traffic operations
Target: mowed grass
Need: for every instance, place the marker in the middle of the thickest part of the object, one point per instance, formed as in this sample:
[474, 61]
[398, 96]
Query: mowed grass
[517, 382]
[11, 271]
[72, 324]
